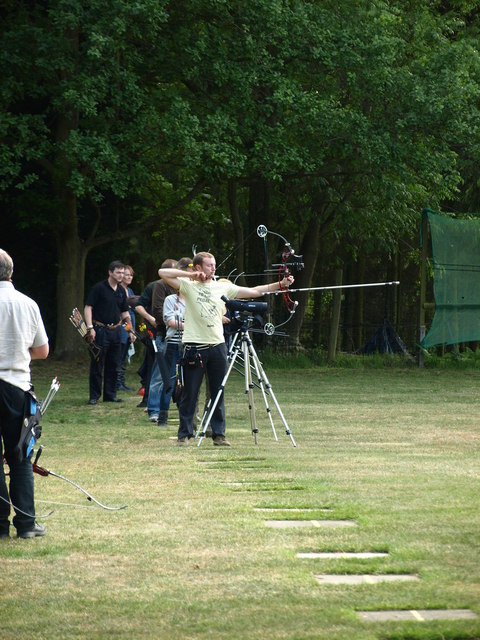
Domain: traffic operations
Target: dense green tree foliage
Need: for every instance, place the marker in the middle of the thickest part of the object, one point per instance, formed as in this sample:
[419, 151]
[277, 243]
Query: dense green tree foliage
[194, 121]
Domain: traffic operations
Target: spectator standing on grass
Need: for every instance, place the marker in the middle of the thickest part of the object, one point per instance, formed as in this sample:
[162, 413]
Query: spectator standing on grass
[23, 338]
[105, 309]
[144, 308]
[205, 350]
[156, 391]
[126, 335]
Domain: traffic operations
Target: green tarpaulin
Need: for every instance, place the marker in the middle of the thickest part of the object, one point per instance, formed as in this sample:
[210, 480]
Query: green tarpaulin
[456, 280]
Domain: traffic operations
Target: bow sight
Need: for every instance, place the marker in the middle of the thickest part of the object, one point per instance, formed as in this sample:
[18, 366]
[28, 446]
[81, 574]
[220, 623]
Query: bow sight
[296, 262]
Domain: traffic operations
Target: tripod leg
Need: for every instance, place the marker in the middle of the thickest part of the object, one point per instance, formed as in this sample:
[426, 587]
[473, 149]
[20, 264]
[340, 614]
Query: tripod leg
[257, 365]
[205, 414]
[249, 386]
[270, 390]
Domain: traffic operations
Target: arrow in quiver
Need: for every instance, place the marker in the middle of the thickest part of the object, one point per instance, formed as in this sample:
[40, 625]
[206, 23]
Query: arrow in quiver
[79, 324]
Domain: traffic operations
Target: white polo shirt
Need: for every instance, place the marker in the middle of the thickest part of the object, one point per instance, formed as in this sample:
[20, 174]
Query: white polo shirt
[21, 327]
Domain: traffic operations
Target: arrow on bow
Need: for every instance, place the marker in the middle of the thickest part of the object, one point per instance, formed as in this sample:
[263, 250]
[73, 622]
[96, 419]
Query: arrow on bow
[339, 286]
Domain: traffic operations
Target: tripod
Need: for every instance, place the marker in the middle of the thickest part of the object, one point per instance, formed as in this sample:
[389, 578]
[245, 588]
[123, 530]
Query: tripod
[242, 343]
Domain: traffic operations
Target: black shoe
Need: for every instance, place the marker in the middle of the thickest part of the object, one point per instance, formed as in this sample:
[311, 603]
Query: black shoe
[124, 387]
[113, 400]
[92, 401]
[142, 404]
[34, 532]
[162, 418]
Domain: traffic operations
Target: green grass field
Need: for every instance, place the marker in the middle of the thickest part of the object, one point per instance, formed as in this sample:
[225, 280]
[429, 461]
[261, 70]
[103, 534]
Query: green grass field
[394, 451]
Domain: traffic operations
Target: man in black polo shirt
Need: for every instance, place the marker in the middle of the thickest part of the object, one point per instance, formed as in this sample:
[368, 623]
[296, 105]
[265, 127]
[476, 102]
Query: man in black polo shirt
[105, 308]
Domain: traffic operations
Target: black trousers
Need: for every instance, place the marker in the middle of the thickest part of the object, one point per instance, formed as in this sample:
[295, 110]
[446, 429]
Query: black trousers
[214, 364]
[107, 365]
[12, 407]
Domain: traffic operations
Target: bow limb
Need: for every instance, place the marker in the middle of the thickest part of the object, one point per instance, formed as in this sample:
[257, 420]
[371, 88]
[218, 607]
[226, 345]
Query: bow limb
[47, 472]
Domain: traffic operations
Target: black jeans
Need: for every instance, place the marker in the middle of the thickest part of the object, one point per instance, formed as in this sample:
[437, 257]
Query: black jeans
[108, 362]
[214, 364]
[12, 406]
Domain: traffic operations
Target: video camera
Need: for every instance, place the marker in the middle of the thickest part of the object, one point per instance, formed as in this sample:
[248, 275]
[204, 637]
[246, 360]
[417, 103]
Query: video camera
[245, 308]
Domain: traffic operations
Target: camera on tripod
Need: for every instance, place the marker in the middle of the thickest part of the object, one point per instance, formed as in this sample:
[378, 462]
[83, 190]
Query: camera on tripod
[244, 310]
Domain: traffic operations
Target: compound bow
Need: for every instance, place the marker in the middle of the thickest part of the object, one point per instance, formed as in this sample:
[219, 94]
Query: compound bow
[289, 260]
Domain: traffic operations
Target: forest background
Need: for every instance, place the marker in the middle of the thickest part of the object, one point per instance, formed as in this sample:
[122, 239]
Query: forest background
[136, 129]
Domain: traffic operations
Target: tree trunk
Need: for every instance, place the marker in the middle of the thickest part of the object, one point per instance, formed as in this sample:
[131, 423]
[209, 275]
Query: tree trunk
[258, 213]
[303, 278]
[70, 279]
[359, 335]
[237, 229]
[349, 306]
[337, 303]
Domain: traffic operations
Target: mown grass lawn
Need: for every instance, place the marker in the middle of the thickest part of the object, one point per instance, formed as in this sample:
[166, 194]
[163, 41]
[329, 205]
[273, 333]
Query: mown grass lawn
[395, 451]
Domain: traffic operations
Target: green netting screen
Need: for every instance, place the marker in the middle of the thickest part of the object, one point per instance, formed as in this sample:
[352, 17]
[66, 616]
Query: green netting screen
[456, 280]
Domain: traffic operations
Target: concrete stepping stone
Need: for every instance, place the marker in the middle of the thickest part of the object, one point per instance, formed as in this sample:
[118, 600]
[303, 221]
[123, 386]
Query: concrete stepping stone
[293, 509]
[287, 524]
[420, 615]
[233, 462]
[256, 483]
[341, 554]
[331, 578]
[263, 486]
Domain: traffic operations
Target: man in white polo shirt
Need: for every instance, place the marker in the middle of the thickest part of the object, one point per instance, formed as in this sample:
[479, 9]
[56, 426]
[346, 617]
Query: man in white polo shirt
[22, 338]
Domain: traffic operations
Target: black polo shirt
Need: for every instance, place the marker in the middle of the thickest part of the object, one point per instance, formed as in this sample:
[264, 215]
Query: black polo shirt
[146, 298]
[107, 304]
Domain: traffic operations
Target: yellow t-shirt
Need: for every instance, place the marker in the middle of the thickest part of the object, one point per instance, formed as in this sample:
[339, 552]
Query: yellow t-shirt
[204, 309]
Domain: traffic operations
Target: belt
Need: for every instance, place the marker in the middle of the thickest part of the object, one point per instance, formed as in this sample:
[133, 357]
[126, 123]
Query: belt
[110, 326]
[199, 346]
